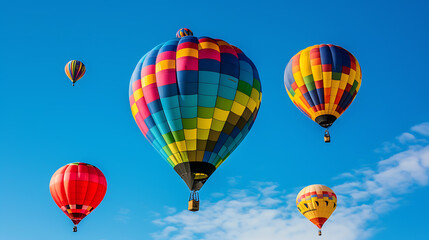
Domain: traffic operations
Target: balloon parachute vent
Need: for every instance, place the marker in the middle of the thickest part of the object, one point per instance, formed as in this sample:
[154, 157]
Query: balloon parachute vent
[75, 229]
[184, 32]
[320, 232]
[194, 202]
[327, 137]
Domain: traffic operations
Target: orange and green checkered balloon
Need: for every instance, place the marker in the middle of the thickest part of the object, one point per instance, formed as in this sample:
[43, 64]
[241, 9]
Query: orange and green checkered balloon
[195, 99]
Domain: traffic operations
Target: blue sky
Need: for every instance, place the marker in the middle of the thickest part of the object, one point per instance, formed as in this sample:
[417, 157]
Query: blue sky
[382, 138]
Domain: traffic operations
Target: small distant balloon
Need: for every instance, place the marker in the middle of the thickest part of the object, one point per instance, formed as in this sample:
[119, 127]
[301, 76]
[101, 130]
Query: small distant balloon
[184, 32]
[78, 188]
[75, 70]
[317, 203]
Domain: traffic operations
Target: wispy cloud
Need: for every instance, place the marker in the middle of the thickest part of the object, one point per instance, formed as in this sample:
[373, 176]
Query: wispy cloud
[264, 211]
[422, 128]
[123, 215]
[217, 194]
[234, 180]
[406, 137]
[387, 147]
[170, 210]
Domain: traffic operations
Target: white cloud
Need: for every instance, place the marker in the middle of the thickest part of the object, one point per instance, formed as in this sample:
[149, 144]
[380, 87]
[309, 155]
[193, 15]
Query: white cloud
[124, 211]
[123, 215]
[234, 180]
[406, 137]
[217, 194]
[170, 210]
[345, 175]
[264, 211]
[165, 232]
[422, 128]
[387, 147]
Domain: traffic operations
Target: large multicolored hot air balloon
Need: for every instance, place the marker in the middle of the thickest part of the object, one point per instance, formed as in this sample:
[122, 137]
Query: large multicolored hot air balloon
[75, 70]
[322, 82]
[78, 188]
[195, 99]
[316, 203]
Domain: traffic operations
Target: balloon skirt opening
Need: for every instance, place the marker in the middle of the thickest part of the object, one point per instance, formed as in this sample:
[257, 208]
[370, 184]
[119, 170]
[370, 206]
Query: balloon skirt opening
[325, 120]
[194, 174]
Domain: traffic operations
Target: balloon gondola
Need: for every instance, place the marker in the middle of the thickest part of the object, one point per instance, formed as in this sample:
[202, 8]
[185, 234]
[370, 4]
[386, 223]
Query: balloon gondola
[195, 99]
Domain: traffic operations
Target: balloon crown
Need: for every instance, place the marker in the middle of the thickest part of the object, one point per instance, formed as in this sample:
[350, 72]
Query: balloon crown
[184, 32]
[81, 163]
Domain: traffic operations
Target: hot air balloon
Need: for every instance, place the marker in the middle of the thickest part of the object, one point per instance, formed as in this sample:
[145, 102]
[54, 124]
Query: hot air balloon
[78, 188]
[316, 203]
[184, 32]
[75, 70]
[195, 99]
[322, 82]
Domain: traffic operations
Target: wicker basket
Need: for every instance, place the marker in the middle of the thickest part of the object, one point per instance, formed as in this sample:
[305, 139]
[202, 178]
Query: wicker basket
[193, 205]
[327, 139]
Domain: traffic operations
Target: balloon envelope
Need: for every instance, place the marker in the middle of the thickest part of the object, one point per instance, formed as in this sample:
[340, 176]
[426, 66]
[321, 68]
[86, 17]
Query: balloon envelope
[78, 188]
[316, 203]
[322, 82]
[195, 99]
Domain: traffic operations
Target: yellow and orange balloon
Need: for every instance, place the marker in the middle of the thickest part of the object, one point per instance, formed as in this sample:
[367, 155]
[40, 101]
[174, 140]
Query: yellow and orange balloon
[317, 203]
